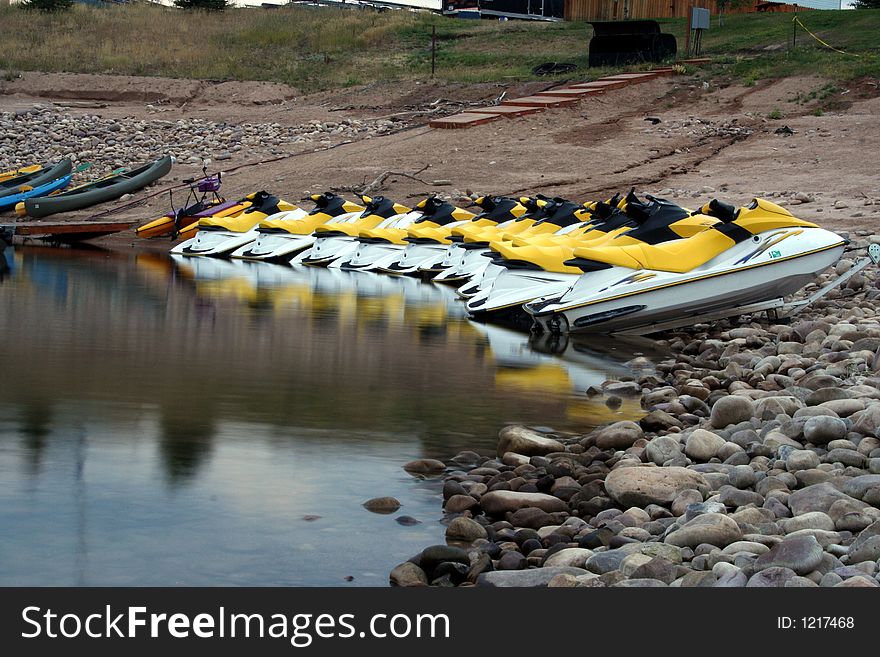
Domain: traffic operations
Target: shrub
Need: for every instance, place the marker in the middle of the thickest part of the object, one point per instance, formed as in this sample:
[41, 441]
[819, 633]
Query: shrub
[203, 5]
[48, 5]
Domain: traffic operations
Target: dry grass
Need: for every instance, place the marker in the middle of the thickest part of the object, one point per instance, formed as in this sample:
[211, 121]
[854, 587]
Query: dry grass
[321, 48]
[302, 46]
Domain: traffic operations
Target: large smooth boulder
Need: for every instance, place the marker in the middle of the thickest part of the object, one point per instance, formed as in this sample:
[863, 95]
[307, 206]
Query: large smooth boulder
[769, 407]
[619, 435]
[657, 568]
[605, 562]
[867, 422]
[823, 395]
[844, 407]
[425, 466]
[819, 497]
[533, 577]
[775, 577]
[811, 520]
[713, 528]
[574, 557]
[858, 486]
[522, 440]
[856, 582]
[533, 518]
[465, 529]
[434, 555]
[867, 550]
[702, 445]
[822, 429]
[802, 554]
[408, 574]
[732, 409]
[499, 502]
[641, 486]
[801, 459]
[662, 449]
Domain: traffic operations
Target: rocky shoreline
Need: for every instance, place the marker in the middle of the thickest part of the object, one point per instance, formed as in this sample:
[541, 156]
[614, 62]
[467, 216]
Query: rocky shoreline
[44, 132]
[756, 464]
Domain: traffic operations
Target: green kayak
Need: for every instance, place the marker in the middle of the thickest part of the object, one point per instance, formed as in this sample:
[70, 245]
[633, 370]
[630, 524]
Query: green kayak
[105, 189]
[14, 184]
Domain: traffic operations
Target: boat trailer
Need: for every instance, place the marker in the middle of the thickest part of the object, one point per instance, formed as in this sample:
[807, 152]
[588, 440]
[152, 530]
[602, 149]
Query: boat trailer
[776, 309]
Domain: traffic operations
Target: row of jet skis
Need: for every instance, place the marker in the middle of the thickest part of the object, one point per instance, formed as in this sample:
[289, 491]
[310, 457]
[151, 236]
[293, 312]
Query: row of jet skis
[623, 264]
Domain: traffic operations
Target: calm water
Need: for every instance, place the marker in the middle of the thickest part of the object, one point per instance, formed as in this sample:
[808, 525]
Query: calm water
[174, 423]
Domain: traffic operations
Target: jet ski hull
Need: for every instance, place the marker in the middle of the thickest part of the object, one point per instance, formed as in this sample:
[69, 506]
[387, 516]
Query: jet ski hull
[215, 243]
[502, 301]
[327, 250]
[284, 236]
[275, 247]
[471, 261]
[482, 282]
[368, 256]
[413, 258]
[619, 298]
[221, 236]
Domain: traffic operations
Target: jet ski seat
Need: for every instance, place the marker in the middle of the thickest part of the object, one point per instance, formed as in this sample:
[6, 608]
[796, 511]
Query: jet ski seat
[684, 255]
[652, 222]
[376, 210]
[327, 206]
[263, 205]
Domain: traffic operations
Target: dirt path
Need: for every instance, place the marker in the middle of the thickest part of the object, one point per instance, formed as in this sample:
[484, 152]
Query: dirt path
[710, 140]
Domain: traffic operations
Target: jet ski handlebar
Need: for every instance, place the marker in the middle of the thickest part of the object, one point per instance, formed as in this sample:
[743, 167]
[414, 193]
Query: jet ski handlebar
[638, 211]
[603, 210]
[722, 211]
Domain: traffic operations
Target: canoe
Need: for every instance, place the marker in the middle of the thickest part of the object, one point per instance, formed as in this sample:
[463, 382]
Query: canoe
[14, 184]
[105, 189]
[12, 173]
[40, 190]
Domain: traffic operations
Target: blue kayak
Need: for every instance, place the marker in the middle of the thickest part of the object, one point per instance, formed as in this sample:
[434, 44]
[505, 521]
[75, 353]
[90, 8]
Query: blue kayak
[41, 190]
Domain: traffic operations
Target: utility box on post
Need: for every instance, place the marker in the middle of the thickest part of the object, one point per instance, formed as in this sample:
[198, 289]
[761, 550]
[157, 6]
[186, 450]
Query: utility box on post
[699, 18]
[698, 23]
[629, 42]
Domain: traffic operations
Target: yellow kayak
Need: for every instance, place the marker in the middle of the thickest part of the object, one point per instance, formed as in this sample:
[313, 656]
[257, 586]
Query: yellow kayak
[12, 173]
[166, 225]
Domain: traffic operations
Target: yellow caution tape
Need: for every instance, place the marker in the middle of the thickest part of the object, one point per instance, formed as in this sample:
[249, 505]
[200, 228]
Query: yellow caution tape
[827, 45]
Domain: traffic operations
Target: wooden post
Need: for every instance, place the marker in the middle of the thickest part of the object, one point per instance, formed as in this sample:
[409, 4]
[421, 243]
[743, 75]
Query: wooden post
[433, 49]
[687, 36]
[794, 29]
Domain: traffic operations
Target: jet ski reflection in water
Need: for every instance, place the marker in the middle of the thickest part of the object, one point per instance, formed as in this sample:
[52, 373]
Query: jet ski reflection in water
[524, 362]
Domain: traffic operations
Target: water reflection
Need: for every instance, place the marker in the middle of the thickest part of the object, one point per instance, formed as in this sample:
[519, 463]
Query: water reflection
[149, 407]
[34, 427]
[185, 440]
[5, 269]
